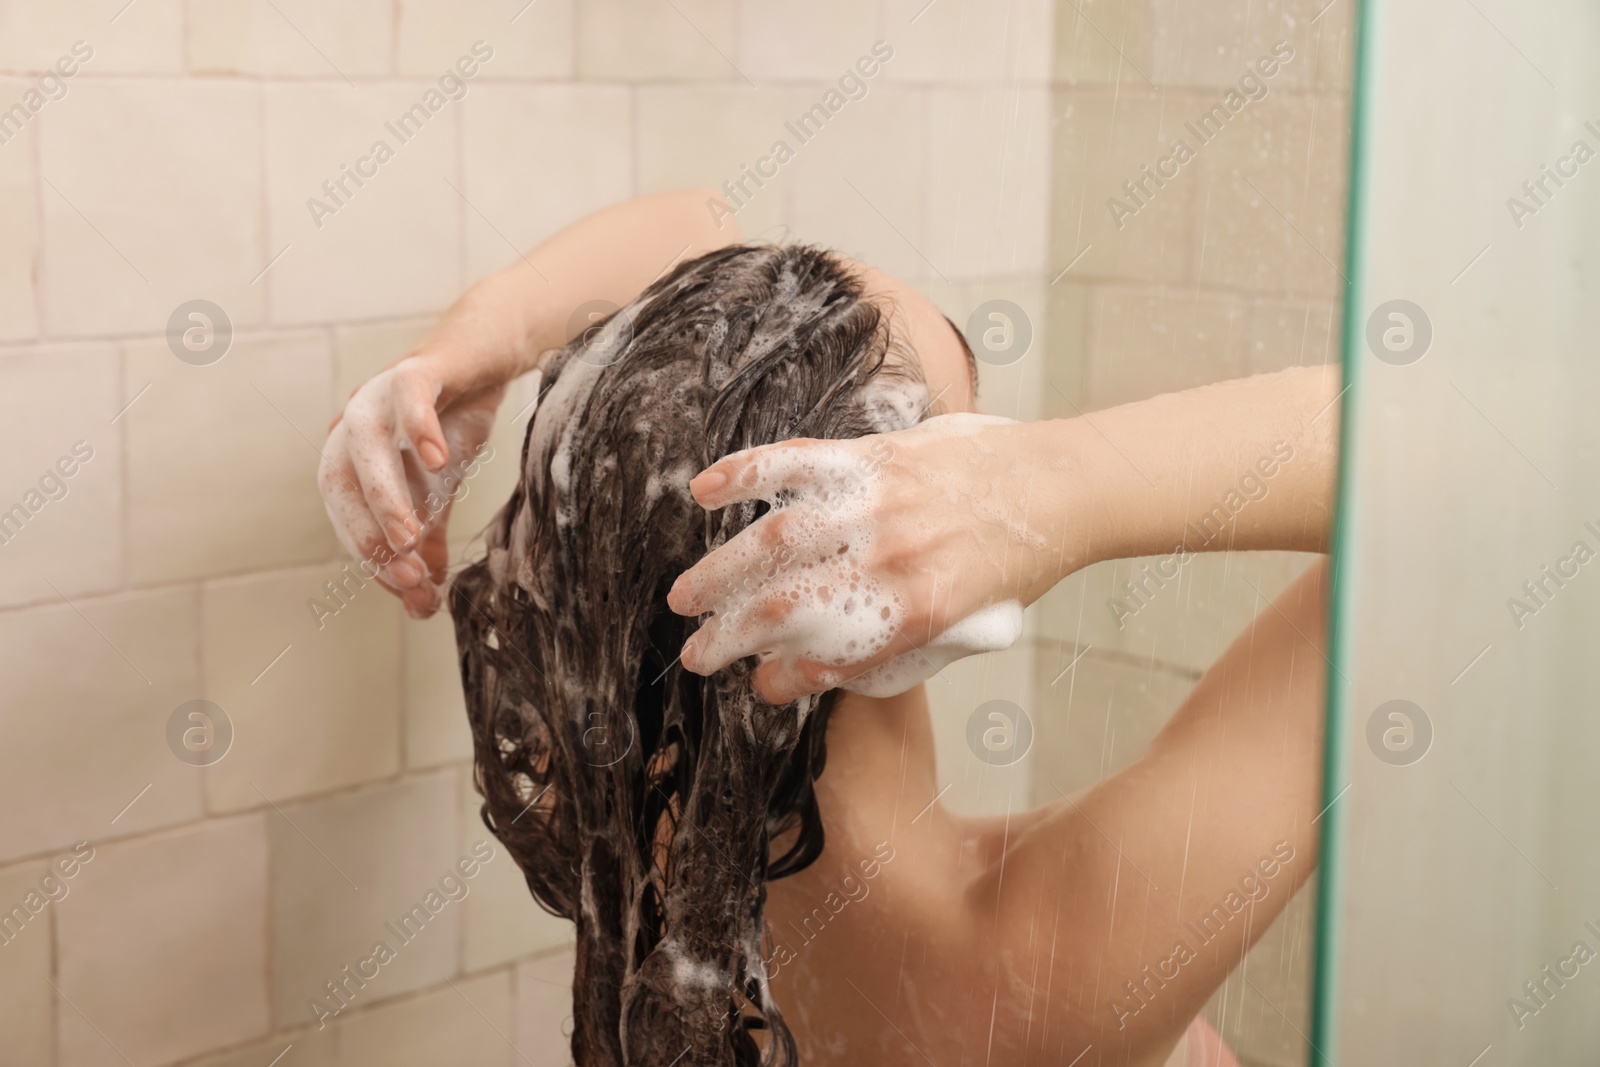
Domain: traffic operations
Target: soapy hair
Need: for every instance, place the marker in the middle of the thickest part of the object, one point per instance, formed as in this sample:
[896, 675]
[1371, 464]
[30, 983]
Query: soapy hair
[641, 800]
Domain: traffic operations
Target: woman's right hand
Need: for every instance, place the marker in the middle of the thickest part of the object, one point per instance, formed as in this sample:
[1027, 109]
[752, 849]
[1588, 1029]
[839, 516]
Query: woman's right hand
[392, 465]
[880, 545]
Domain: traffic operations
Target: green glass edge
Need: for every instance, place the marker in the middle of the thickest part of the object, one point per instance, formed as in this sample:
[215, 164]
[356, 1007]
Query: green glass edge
[1324, 1032]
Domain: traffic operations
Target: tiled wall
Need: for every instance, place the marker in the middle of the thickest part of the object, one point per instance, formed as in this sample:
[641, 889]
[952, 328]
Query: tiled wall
[180, 560]
[1231, 267]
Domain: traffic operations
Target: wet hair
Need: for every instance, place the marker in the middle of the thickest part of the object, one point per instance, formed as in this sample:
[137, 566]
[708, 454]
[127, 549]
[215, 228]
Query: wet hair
[641, 800]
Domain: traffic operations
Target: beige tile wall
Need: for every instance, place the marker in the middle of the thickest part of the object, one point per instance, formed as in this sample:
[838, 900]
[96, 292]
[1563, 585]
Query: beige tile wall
[179, 562]
[1232, 267]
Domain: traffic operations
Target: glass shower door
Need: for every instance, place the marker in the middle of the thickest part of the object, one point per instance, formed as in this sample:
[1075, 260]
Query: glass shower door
[1460, 902]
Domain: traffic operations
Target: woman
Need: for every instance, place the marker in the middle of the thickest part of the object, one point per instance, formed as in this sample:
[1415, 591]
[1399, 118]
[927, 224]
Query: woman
[705, 835]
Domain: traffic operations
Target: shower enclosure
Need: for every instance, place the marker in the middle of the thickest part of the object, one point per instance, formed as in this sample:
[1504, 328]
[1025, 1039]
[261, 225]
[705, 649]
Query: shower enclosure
[1460, 915]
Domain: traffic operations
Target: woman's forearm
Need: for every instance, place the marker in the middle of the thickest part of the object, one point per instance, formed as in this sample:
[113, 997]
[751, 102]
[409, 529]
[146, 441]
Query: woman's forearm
[966, 513]
[1243, 464]
[505, 324]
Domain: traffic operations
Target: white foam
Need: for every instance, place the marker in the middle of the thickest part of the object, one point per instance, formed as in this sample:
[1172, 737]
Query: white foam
[690, 973]
[838, 611]
[989, 629]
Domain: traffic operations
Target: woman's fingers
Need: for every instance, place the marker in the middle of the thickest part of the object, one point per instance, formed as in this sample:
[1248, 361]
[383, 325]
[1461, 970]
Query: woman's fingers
[736, 569]
[854, 565]
[753, 584]
[346, 504]
[751, 628]
[420, 601]
[424, 598]
[780, 680]
[416, 413]
[365, 491]
[829, 470]
[358, 530]
[370, 438]
[758, 473]
[381, 472]
[386, 465]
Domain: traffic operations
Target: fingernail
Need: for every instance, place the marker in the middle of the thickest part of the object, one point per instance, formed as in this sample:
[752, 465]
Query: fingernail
[399, 534]
[678, 598]
[709, 482]
[432, 455]
[406, 570]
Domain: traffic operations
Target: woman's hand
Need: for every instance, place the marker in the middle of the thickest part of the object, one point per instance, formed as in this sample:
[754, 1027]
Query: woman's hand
[392, 466]
[875, 546]
[960, 512]
[405, 436]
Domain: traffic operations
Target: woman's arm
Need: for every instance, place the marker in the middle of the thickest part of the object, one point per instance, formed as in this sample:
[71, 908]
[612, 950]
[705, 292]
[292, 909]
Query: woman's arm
[504, 325]
[963, 514]
[405, 432]
[1243, 464]
[1155, 882]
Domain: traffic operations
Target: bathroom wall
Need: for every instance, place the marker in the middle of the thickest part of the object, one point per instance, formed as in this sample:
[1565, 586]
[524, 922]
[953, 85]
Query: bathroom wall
[1228, 266]
[177, 560]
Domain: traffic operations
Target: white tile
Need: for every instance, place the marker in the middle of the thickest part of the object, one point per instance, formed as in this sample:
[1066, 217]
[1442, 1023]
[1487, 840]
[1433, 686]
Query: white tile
[989, 156]
[19, 216]
[1104, 42]
[327, 714]
[222, 459]
[361, 350]
[501, 920]
[1104, 138]
[1016, 390]
[704, 136]
[1213, 45]
[688, 39]
[145, 37]
[391, 246]
[969, 40]
[57, 404]
[860, 182]
[163, 946]
[1185, 621]
[513, 136]
[1148, 341]
[544, 1010]
[1098, 717]
[152, 198]
[467, 1025]
[1280, 334]
[1275, 181]
[435, 713]
[84, 703]
[981, 783]
[817, 40]
[530, 40]
[26, 964]
[1069, 314]
[302, 1048]
[290, 37]
[1331, 50]
[347, 868]
[1270, 1023]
